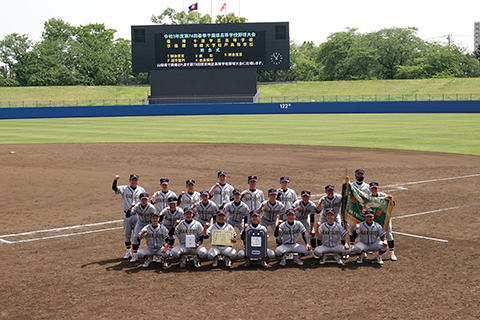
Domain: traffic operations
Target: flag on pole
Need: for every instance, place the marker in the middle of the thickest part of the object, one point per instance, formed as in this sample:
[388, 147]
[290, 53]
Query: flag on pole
[193, 7]
[224, 7]
[355, 202]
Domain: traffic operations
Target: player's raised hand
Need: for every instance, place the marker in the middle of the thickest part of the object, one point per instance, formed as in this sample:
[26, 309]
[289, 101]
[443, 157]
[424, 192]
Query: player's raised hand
[356, 227]
[245, 226]
[280, 221]
[245, 192]
[117, 177]
[164, 250]
[312, 232]
[183, 193]
[177, 223]
[206, 226]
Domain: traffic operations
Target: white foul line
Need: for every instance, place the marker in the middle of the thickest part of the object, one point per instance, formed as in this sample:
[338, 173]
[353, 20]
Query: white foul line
[433, 180]
[421, 237]
[63, 235]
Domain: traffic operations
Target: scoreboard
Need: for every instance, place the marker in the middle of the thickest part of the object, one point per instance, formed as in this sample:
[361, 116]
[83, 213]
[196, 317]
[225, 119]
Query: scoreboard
[264, 46]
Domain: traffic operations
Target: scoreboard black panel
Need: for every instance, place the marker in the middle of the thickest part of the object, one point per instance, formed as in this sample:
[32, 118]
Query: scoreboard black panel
[263, 46]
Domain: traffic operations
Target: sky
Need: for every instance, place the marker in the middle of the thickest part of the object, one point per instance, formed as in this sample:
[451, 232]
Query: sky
[310, 20]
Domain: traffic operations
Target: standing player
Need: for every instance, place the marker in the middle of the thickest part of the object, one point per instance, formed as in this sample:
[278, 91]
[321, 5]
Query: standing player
[253, 197]
[369, 232]
[391, 244]
[226, 251]
[130, 195]
[206, 209]
[169, 216]
[191, 197]
[143, 211]
[286, 195]
[361, 185]
[161, 197]
[289, 232]
[155, 235]
[331, 200]
[236, 211]
[221, 191]
[305, 208]
[188, 226]
[330, 232]
[272, 209]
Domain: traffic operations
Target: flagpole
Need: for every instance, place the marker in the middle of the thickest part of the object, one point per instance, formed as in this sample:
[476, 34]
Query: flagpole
[211, 12]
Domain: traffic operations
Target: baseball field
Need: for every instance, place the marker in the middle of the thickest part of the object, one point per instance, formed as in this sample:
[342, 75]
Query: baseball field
[61, 241]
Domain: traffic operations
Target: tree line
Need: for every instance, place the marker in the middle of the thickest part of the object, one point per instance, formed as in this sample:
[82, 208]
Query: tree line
[90, 55]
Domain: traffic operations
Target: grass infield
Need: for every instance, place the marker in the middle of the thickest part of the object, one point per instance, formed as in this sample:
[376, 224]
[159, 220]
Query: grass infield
[450, 133]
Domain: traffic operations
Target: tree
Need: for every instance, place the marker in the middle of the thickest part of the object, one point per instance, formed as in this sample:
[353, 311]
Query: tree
[170, 16]
[230, 18]
[12, 48]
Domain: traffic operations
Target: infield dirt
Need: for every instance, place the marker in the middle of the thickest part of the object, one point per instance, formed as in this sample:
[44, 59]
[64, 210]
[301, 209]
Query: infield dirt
[84, 276]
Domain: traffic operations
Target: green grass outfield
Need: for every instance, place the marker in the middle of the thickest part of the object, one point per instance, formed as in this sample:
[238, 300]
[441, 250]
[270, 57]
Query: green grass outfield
[451, 133]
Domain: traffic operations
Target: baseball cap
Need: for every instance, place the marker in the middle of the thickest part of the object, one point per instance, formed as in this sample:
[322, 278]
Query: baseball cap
[329, 187]
[254, 213]
[220, 212]
[164, 180]
[237, 191]
[155, 214]
[134, 176]
[272, 191]
[252, 178]
[369, 212]
[204, 192]
[374, 184]
[143, 195]
[329, 210]
[284, 178]
[190, 181]
[306, 192]
[359, 171]
[172, 200]
[189, 209]
[290, 211]
[222, 172]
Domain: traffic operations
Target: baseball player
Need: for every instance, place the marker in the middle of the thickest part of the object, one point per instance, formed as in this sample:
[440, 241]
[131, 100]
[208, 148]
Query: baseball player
[189, 198]
[369, 232]
[286, 195]
[169, 216]
[289, 232]
[143, 211]
[236, 211]
[361, 185]
[331, 200]
[206, 209]
[161, 197]
[271, 209]
[188, 226]
[391, 244]
[254, 218]
[331, 232]
[130, 195]
[221, 191]
[305, 208]
[220, 250]
[155, 235]
[252, 196]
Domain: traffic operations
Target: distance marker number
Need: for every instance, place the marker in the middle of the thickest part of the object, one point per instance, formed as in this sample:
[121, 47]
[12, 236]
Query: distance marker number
[285, 105]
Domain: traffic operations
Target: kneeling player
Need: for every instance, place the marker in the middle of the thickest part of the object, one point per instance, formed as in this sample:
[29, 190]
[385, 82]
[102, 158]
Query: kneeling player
[220, 250]
[143, 210]
[289, 232]
[331, 232]
[184, 228]
[155, 235]
[369, 231]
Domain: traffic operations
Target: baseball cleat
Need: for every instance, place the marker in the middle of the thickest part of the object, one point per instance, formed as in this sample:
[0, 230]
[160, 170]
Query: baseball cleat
[263, 263]
[127, 255]
[323, 258]
[361, 257]
[345, 257]
[315, 256]
[393, 257]
[338, 258]
[134, 258]
[298, 260]
[247, 262]
[196, 262]
[228, 262]
[163, 261]
[215, 262]
[183, 261]
[283, 262]
[157, 259]
[379, 259]
[147, 262]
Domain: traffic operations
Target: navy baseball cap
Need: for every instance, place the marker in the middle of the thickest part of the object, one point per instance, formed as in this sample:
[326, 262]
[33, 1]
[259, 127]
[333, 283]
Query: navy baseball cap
[291, 211]
[220, 213]
[134, 176]
[164, 180]
[144, 195]
[222, 172]
[306, 192]
[272, 191]
[172, 200]
[189, 209]
[369, 212]
[252, 178]
[155, 214]
[359, 171]
[374, 184]
[190, 181]
[329, 187]
[254, 213]
[204, 192]
[284, 178]
[237, 191]
[329, 210]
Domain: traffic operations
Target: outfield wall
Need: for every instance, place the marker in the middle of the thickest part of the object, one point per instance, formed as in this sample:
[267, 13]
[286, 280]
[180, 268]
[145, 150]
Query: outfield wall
[245, 108]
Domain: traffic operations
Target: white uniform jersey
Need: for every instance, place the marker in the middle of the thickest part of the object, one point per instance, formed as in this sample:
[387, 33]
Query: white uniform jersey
[290, 232]
[162, 199]
[222, 193]
[254, 199]
[362, 186]
[379, 194]
[155, 236]
[142, 212]
[170, 217]
[129, 195]
[185, 228]
[205, 211]
[271, 211]
[189, 199]
[335, 203]
[217, 226]
[369, 234]
[252, 227]
[306, 209]
[236, 212]
[287, 197]
[331, 234]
